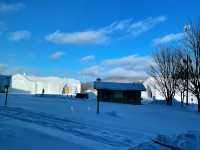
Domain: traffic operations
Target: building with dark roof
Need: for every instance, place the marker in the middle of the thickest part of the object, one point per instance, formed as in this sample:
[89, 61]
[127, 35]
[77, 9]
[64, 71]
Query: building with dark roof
[128, 93]
[5, 82]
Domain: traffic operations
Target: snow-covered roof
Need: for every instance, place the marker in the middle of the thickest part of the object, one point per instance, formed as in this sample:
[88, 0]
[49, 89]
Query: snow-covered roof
[119, 86]
[5, 80]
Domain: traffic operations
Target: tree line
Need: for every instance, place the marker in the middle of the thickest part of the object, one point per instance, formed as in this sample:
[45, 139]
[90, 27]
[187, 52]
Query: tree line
[177, 68]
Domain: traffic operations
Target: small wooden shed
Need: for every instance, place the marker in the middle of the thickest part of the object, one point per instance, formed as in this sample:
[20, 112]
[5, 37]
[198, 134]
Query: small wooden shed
[5, 82]
[129, 93]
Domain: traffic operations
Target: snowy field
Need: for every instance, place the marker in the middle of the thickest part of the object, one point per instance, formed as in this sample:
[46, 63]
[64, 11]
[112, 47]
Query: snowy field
[32, 122]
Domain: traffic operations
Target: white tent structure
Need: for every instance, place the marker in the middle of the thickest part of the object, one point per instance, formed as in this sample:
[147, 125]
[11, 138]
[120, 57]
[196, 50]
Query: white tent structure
[152, 92]
[51, 85]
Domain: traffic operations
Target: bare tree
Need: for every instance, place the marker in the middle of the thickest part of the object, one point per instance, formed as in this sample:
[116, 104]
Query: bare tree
[193, 46]
[164, 72]
[181, 73]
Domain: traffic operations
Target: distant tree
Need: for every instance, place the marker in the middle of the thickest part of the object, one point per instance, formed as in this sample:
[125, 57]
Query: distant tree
[86, 86]
[193, 46]
[164, 72]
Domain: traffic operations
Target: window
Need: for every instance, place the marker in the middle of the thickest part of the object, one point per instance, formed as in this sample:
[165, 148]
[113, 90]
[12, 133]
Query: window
[118, 94]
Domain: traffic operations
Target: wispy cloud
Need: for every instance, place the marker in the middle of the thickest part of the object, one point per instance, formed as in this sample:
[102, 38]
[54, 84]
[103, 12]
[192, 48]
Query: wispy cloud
[101, 35]
[57, 55]
[3, 67]
[121, 72]
[10, 7]
[131, 61]
[88, 58]
[128, 66]
[93, 71]
[13, 69]
[137, 28]
[85, 37]
[20, 35]
[173, 37]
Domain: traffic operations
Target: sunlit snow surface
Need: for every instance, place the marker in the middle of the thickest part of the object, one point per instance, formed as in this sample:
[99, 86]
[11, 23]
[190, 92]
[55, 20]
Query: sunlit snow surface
[32, 122]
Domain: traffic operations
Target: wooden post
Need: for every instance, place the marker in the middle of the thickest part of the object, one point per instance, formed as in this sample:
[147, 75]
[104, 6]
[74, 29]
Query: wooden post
[98, 99]
[97, 103]
[187, 80]
[6, 96]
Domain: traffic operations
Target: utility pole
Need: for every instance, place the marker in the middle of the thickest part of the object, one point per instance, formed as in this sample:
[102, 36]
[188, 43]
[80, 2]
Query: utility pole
[187, 79]
[97, 104]
[98, 97]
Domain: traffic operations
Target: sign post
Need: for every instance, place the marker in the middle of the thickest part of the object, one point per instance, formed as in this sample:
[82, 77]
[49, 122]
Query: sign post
[5, 82]
[6, 91]
[98, 98]
[97, 104]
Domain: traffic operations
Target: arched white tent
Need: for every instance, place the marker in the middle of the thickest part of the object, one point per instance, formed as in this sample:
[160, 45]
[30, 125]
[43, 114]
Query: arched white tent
[20, 84]
[51, 85]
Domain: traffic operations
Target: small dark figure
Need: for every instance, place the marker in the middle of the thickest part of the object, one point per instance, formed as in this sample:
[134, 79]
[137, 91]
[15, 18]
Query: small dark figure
[43, 92]
[63, 91]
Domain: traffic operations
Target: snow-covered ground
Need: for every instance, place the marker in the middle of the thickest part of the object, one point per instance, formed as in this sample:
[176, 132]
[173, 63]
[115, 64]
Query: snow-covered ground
[33, 122]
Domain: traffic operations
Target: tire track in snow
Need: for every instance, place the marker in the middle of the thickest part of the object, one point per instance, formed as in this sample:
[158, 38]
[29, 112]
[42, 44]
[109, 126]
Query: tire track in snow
[72, 127]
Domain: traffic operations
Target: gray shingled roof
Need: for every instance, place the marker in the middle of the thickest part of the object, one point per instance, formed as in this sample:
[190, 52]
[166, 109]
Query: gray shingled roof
[119, 86]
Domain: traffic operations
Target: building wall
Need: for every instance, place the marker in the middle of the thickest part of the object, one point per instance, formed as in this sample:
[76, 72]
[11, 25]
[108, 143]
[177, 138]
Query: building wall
[127, 97]
[150, 85]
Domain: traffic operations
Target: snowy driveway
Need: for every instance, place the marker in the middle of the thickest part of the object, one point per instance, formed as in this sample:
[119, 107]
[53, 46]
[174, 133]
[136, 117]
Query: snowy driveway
[116, 141]
[74, 121]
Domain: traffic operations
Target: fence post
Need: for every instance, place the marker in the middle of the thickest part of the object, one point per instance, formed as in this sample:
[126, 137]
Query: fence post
[97, 104]
[6, 88]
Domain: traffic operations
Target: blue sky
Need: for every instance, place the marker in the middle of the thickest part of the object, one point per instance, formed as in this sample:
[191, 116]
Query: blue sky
[86, 39]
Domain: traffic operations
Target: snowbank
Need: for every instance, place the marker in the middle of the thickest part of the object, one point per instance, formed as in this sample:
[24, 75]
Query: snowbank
[184, 141]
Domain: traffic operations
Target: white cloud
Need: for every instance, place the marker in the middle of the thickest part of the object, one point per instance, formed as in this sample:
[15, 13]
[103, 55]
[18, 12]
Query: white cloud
[129, 66]
[3, 68]
[128, 60]
[57, 55]
[13, 69]
[101, 35]
[140, 27]
[173, 37]
[10, 7]
[126, 73]
[88, 58]
[86, 37]
[20, 35]
[93, 71]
